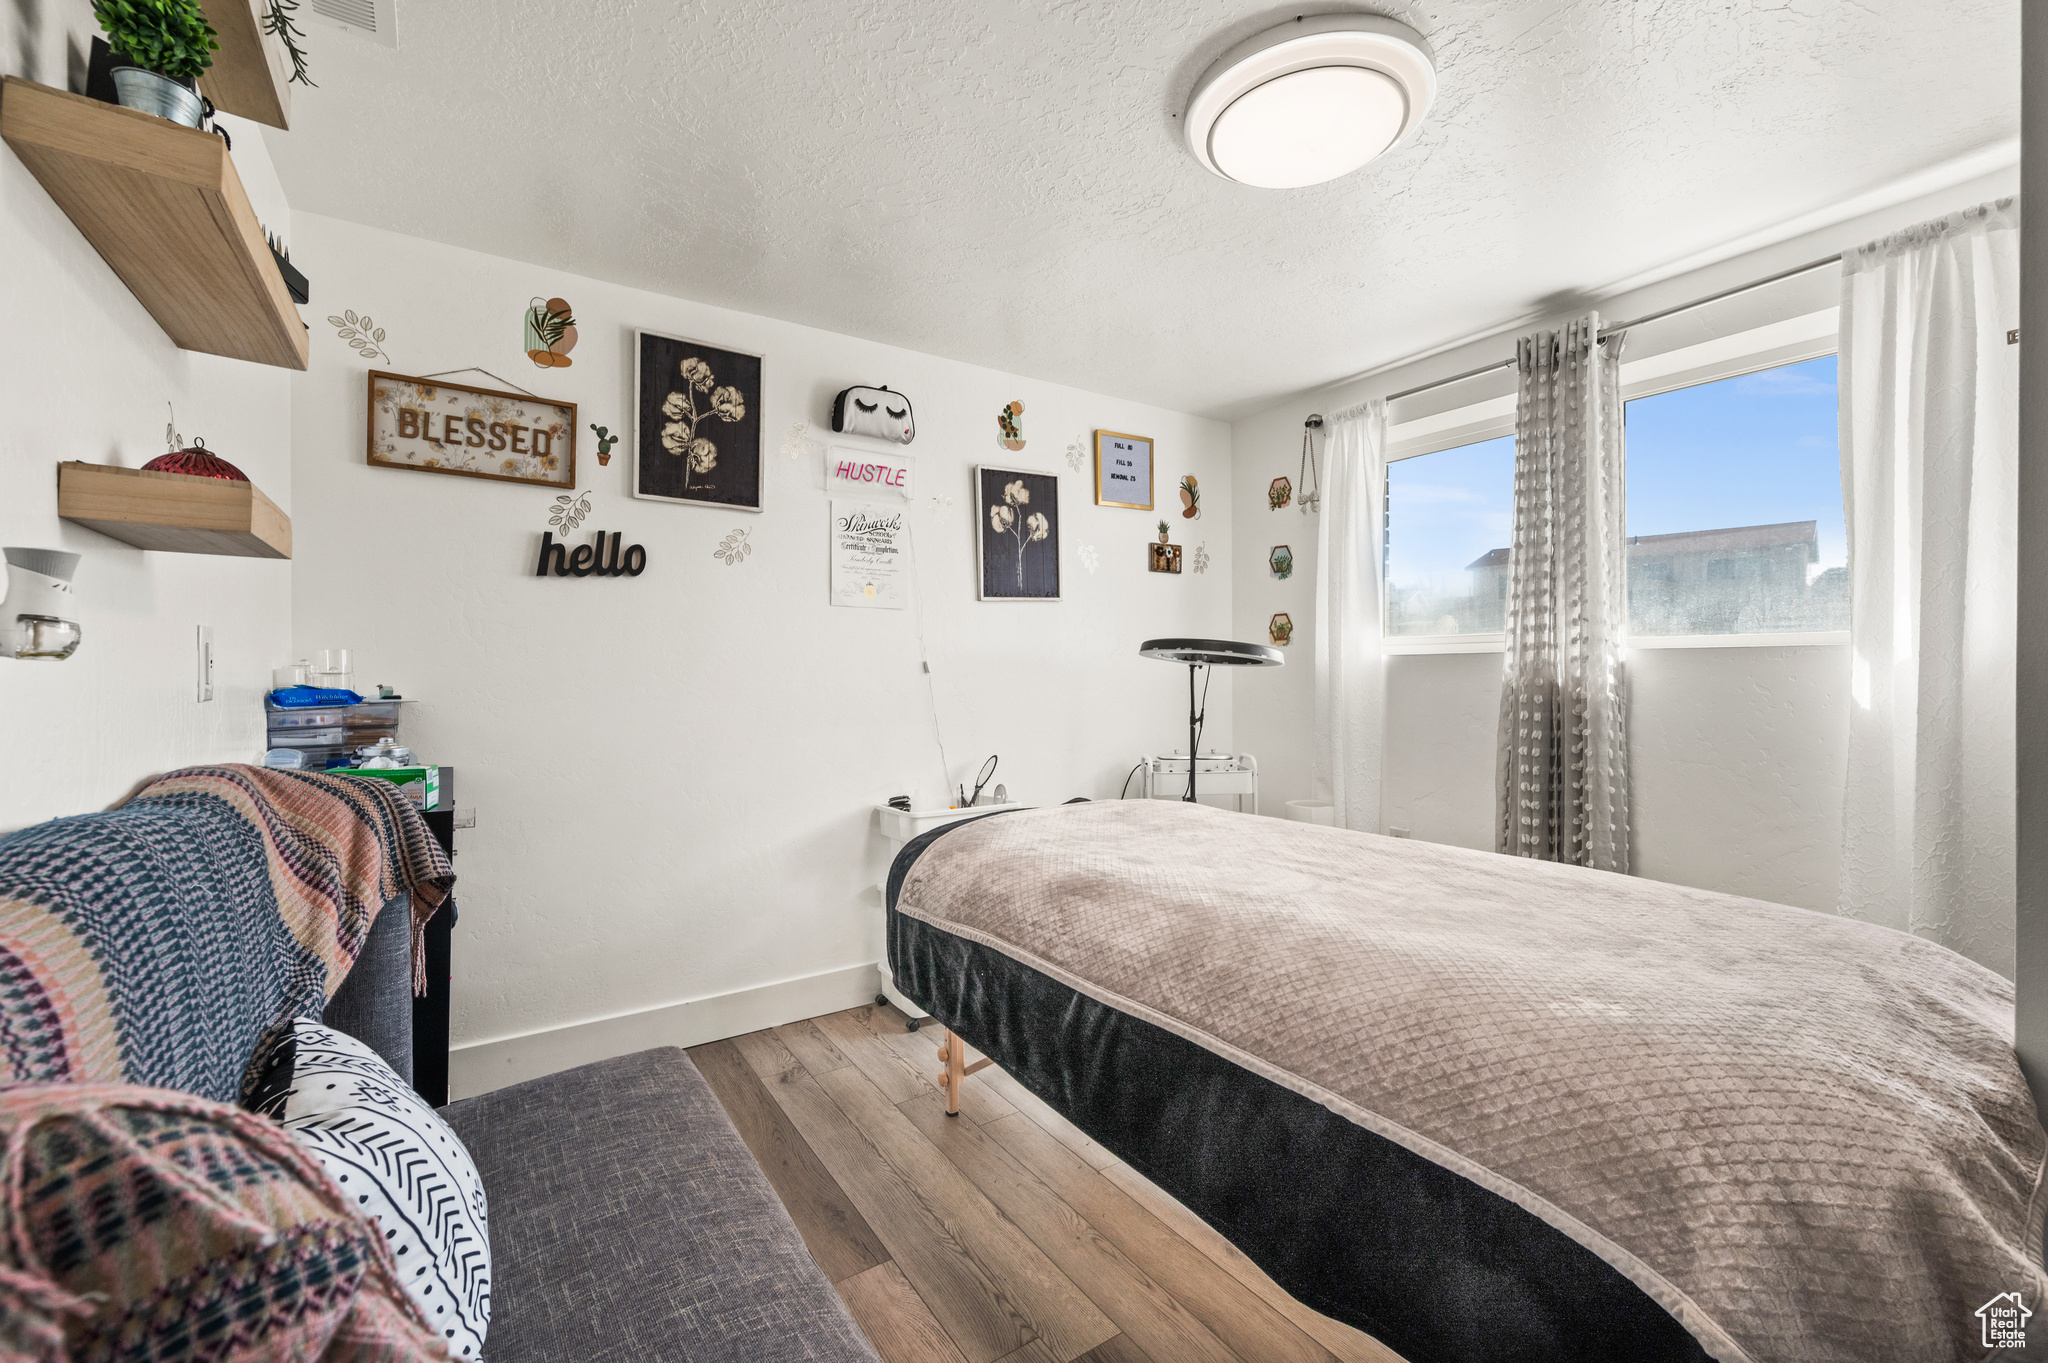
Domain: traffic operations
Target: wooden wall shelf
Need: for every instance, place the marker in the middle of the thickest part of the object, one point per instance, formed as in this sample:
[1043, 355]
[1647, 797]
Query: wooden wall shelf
[251, 74]
[163, 205]
[173, 511]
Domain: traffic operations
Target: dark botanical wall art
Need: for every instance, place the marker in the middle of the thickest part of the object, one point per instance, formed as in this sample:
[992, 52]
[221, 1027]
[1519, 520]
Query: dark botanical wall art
[1017, 527]
[698, 414]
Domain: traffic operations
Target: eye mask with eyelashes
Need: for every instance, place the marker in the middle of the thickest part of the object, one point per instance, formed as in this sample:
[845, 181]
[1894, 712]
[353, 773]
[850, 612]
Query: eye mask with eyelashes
[876, 412]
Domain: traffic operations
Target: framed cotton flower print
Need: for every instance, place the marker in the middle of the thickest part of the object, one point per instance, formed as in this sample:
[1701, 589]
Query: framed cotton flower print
[1017, 531]
[698, 437]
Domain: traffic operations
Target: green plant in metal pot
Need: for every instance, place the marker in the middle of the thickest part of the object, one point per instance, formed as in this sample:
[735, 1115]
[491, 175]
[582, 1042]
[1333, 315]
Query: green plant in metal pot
[170, 37]
[169, 44]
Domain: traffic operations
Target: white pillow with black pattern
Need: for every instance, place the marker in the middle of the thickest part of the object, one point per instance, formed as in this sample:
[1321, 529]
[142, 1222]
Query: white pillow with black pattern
[399, 1163]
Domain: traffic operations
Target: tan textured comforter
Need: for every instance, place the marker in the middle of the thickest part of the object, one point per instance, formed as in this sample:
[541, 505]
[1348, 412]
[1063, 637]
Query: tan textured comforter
[1804, 1136]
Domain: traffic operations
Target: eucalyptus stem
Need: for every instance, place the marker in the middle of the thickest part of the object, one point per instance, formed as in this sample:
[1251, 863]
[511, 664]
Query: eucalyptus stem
[280, 22]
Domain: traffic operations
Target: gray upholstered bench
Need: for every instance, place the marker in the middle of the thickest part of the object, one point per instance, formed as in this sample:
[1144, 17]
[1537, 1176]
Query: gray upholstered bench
[628, 1218]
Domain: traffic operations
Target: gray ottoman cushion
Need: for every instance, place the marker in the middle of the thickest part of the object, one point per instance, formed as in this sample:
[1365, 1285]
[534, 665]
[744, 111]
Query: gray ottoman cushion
[629, 1221]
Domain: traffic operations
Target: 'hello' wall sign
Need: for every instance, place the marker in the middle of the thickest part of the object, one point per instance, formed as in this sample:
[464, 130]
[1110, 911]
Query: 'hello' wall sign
[588, 560]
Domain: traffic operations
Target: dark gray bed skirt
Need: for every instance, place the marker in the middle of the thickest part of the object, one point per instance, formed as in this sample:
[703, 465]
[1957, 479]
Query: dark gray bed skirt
[1352, 1224]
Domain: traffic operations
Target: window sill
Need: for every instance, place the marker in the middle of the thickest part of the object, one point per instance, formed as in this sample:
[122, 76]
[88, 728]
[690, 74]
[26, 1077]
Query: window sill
[1787, 639]
[1445, 643]
[1405, 645]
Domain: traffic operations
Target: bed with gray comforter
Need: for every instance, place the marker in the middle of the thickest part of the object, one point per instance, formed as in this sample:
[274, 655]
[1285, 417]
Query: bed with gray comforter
[1489, 1108]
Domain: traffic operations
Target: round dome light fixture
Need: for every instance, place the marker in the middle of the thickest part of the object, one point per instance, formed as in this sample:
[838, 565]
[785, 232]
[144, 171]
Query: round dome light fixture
[1310, 100]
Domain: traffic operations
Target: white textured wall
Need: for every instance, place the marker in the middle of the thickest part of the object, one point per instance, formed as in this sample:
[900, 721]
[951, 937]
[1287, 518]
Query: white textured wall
[1438, 781]
[1736, 758]
[87, 374]
[673, 774]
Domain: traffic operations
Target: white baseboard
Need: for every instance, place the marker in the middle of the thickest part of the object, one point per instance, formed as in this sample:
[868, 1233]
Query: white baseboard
[480, 1066]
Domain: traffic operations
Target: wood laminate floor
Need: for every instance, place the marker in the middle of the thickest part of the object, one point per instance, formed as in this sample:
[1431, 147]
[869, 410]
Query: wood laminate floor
[1001, 1236]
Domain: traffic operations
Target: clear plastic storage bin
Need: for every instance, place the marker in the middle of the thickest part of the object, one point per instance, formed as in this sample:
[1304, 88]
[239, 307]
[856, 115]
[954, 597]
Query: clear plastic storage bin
[306, 738]
[319, 717]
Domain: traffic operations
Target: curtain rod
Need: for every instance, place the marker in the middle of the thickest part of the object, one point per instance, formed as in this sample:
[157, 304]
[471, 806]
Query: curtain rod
[1614, 327]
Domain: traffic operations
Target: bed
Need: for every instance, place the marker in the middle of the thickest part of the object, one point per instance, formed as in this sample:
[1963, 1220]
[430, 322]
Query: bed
[1488, 1108]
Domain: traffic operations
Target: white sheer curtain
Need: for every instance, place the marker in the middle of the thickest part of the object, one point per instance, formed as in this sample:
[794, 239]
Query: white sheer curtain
[1562, 792]
[1350, 615]
[1930, 466]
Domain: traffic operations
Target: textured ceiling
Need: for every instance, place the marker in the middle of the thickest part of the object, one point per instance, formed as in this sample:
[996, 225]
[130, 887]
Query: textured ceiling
[1004, 183]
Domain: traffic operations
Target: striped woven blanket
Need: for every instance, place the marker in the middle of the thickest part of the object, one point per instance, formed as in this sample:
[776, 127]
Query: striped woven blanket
[156, 944]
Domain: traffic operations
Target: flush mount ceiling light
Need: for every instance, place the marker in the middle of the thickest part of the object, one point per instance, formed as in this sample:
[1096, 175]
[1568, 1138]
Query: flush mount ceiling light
[1310, 100]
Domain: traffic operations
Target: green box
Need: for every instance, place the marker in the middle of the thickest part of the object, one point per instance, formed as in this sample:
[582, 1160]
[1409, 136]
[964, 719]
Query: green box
[421, 785]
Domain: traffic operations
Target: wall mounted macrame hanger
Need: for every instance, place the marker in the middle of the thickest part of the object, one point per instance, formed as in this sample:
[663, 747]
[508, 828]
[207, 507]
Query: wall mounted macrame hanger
[1308, 486]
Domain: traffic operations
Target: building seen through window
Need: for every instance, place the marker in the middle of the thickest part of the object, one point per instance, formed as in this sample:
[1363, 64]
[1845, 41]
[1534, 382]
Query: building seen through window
[1707, 468]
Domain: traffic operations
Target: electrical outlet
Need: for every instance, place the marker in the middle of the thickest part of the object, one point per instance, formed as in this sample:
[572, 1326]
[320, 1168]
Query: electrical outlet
[465, 818]
[206, 662]
[1397, 832]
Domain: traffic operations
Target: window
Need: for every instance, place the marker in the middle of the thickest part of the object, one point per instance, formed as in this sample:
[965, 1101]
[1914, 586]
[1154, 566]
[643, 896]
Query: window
[1734, 515]
[1448, 519]
[1735, 506]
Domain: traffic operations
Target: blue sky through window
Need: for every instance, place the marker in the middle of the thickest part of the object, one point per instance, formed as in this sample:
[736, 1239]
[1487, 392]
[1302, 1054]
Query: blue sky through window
[1752, 450]
[1446, 509]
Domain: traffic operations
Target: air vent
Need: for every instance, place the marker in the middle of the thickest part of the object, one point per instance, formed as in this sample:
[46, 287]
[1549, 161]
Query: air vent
[376, 20]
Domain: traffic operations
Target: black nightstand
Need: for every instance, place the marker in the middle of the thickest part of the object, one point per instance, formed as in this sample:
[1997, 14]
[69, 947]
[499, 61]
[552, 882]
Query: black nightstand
[430, 1014]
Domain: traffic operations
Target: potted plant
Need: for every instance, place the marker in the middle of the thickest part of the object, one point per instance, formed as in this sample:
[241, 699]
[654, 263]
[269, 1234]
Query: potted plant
[163, 46]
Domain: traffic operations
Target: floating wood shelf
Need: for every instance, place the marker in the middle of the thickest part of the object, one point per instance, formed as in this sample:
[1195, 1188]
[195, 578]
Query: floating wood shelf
[163, 205]
[251, 74]
[173, 511]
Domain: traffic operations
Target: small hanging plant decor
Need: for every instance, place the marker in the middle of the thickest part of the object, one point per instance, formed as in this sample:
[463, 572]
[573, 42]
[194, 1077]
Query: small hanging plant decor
[278, 22]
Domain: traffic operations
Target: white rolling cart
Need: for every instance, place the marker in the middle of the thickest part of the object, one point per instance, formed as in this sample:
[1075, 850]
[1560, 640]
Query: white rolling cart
[1216, 773]
[900, 827]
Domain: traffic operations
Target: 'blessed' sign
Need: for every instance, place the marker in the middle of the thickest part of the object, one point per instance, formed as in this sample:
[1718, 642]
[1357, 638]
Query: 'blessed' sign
[442, 427]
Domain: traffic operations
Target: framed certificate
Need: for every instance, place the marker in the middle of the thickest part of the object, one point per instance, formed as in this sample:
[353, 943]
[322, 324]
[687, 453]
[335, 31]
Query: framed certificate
[1123, 470]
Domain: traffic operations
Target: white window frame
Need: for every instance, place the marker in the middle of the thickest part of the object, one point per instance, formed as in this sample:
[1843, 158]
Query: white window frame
[1796, 339]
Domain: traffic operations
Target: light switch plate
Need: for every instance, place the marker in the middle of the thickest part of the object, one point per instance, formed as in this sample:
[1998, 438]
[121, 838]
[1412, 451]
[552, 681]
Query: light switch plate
[206, 662]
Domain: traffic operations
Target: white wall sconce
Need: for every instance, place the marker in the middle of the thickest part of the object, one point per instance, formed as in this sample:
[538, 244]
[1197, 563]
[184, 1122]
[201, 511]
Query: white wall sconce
[35, 614]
